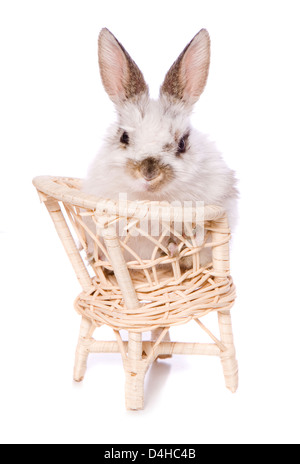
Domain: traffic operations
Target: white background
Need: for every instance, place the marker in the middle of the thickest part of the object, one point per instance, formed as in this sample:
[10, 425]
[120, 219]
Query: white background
[53, 116]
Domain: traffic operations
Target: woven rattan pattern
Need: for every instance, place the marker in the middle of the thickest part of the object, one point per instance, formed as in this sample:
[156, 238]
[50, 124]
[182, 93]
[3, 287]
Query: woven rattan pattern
[164, 306]
[169, 295]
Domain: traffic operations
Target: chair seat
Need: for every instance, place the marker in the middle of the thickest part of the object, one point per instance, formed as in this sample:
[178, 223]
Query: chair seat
[164, 303]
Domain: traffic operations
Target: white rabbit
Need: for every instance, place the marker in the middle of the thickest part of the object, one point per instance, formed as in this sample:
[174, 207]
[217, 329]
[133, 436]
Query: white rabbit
[152, 152]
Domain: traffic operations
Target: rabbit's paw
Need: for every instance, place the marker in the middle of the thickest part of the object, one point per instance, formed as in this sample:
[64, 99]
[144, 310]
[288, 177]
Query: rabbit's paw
[172, 247]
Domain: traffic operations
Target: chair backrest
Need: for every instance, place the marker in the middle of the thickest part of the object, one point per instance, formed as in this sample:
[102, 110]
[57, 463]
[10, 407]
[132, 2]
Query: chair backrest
[159, 240]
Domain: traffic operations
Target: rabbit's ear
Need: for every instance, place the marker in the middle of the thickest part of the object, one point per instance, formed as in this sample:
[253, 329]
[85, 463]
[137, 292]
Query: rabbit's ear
[186, 79]
[121, 77]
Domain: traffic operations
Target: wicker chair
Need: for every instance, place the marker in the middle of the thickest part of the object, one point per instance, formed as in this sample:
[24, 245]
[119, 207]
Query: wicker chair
[140, 295]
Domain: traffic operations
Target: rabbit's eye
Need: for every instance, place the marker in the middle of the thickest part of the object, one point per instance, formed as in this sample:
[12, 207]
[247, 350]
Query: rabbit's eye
[124, 138]
[182, 145]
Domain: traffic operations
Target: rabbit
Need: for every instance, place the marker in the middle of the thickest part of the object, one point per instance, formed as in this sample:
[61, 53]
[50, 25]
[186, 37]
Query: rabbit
[152, 152]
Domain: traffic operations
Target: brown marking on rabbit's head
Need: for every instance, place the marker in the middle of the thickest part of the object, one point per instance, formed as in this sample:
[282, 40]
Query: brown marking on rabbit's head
[121, 77]
[186, 79]
[135, 84]
[173, 85]
[152, 170]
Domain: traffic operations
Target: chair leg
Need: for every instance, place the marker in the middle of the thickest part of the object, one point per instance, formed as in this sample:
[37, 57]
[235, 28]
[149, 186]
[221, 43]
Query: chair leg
[82, 351]
[154, 336]
[135, 370]
[228, 359]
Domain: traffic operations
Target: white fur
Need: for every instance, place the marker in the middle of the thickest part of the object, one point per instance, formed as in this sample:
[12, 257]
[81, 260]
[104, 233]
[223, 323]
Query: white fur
[200, 174]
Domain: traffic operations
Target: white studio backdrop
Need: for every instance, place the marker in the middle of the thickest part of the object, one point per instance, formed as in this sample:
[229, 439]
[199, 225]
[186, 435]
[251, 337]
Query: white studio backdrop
[53, 117]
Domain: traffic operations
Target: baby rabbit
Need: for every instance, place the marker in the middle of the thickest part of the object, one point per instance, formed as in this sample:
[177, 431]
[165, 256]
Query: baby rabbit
[152, 152]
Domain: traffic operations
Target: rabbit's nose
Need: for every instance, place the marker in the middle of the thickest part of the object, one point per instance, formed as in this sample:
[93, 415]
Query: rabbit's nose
[150, 168]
